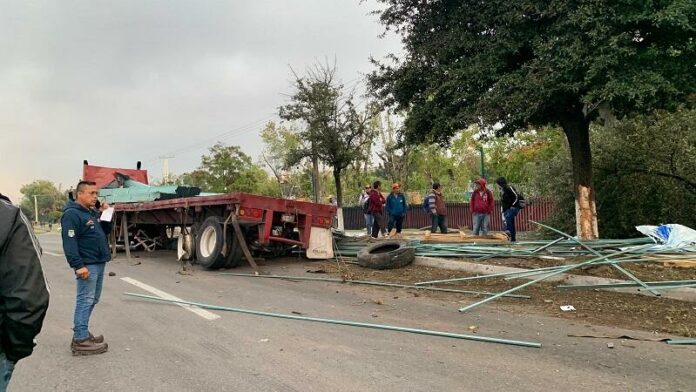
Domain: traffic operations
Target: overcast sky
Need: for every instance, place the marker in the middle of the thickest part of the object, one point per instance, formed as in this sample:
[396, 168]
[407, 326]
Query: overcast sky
[114, 82]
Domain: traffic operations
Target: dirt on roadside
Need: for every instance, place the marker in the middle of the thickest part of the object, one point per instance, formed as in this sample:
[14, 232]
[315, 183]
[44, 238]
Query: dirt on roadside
[593, 307]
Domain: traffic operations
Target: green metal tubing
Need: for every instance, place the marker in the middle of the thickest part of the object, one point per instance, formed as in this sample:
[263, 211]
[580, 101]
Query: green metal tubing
[676, 286]
[618, 267]
[369, 283]
[624, 285]
[681, 341]
[537, 250]
[531, 282]
[344, 322]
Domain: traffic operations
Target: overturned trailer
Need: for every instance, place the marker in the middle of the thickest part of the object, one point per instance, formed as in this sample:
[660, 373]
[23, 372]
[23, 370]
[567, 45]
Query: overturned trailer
[216, 230]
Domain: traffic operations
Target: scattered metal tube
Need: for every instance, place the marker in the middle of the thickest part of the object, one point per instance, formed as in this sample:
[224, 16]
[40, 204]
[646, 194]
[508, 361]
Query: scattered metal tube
[616, 266]
[681, 341]
[345, 322]
[624, 285]
[369, 283]
[531, 282]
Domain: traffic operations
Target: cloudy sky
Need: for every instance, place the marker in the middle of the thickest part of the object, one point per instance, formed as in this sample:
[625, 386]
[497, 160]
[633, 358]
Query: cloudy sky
[114, 82]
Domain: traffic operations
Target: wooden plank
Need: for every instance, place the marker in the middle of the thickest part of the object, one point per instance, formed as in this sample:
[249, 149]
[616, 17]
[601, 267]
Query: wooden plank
[124, 233]
[680, 263]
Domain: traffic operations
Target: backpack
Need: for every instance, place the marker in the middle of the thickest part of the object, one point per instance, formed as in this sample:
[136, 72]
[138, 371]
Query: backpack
[520, 202]
[426, 203]
[366, 205]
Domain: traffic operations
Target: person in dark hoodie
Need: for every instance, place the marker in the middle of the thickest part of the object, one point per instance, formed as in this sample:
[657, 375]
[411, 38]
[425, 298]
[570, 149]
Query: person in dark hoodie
[87, 251]
[396, 208]
[511, 206]
[23, 289]
[481, 207]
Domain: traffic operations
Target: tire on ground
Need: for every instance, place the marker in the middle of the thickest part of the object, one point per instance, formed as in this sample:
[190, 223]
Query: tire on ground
[235, 255]
[209, 242]
[386, 255]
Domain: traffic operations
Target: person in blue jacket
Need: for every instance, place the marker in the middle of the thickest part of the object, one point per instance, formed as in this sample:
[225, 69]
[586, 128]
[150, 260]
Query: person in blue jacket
[396, 208]
[87, 250]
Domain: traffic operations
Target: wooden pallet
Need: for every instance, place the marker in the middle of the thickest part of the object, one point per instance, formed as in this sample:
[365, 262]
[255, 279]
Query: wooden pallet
[680, 263]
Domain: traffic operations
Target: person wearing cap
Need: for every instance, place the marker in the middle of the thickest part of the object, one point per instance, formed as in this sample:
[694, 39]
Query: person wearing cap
[481, 207]
[396, 208]
[365, 206]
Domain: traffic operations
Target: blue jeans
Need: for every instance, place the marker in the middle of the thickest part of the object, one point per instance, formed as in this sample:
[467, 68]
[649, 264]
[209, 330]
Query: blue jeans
[509, 216]
[88, 293]
[369, 220]
[6, 369]
[480, 222]
[438, 221]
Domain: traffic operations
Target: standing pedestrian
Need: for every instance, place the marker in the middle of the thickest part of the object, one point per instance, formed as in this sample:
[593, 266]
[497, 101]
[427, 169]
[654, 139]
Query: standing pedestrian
[365, 206]
[481, 207]
[510, 202]
[87, 251]
[376, 208]
[23, 289]
[438, 210]
[396, 208]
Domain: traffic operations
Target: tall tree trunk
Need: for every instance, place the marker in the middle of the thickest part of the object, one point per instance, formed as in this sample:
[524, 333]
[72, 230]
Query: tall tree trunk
[577, 131]
[339, 189]
[315, 176]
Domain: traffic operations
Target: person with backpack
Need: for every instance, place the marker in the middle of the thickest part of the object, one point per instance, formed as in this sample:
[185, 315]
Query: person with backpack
[434, 204]
[365, 206]
[376, 207]
[512, 202]
[481, 207]
[396, 208]
[23, 290]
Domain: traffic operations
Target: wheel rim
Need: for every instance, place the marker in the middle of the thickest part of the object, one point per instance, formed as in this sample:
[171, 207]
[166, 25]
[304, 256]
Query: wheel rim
[208, 241]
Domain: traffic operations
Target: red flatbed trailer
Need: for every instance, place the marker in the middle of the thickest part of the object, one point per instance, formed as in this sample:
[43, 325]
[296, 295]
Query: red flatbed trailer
[269, 224]
[209, 224]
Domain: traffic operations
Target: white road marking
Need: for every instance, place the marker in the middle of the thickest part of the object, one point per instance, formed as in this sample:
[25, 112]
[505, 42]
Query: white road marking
[53, 254]
[201, 312]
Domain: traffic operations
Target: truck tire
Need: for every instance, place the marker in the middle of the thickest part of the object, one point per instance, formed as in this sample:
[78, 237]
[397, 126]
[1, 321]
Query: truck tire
[386, 255]
[209, 241]
[235, 256]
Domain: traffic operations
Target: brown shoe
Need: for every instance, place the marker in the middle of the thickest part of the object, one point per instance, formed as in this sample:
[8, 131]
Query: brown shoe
[88, 347]
[96, 339]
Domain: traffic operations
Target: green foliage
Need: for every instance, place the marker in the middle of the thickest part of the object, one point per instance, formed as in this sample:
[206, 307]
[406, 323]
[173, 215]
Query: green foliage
[534, 62]
[50, 200]
[227, 169]
[645, 174]
[336, 132]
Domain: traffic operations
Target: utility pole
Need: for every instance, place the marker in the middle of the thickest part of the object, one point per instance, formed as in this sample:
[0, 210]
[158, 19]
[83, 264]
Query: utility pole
[36, 210]
[165, 168]
[483, 169]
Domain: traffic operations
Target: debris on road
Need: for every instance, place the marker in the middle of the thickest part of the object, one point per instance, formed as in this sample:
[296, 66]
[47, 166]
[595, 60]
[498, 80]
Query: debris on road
[345, 322]
[567, 308]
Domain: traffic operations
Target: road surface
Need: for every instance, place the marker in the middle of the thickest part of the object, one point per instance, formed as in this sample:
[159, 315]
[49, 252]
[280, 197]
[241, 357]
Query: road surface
[163, 347]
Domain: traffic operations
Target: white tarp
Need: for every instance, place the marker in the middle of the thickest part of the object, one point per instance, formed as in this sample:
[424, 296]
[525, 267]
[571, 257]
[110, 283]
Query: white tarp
[672, 236]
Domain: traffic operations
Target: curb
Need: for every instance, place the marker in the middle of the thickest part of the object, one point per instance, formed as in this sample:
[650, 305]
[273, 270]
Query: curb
[685, 294]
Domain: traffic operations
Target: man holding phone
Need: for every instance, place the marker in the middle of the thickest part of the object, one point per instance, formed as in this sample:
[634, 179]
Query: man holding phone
[87, 250]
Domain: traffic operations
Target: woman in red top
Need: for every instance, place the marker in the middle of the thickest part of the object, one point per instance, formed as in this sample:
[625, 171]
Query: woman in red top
[376, 207]
[481, 207]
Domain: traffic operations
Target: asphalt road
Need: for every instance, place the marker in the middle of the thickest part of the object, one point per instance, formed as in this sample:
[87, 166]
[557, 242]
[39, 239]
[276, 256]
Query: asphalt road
[163, 347]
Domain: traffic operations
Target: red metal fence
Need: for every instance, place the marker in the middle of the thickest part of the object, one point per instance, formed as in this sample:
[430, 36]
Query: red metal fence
[458, 215]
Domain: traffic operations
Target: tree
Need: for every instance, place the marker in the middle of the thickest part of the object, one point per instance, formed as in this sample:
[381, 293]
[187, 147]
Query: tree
[49, 199]
[534, 62]
[227, 169]
[336, 131]
[279, 142]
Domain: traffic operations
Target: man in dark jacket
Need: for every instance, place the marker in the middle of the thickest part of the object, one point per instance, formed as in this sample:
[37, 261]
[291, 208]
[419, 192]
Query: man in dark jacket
[510, 205]
[23, 289]
[376, 207]
[87, 250]
[396, 208]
